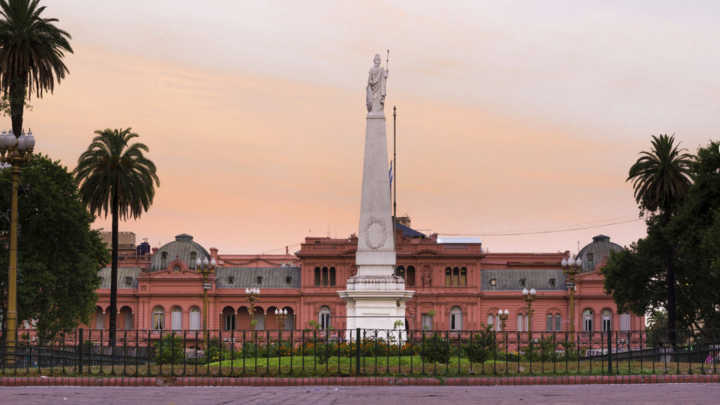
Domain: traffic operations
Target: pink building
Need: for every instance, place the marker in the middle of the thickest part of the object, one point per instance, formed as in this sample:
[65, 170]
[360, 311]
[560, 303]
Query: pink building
[458, 286]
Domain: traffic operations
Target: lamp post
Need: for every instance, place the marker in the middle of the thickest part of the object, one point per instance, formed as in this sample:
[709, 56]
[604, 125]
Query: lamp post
[529, 297]
[205, 268]
[281, 315]
[15, 151]
[252, 294]
[503, 315]
[571, 267]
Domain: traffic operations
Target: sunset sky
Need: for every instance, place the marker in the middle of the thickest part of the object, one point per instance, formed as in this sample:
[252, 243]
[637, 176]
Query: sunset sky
[514, 117]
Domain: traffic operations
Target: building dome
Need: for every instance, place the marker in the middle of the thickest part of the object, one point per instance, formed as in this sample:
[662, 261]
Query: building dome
[183, 249]
[597, 252]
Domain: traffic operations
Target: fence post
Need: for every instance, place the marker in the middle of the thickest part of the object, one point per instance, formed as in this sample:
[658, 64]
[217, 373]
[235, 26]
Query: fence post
[609, 345]
[79, 351]
[357, 352]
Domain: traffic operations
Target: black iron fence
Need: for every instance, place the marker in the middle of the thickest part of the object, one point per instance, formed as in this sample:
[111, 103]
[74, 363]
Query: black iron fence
[354, 352]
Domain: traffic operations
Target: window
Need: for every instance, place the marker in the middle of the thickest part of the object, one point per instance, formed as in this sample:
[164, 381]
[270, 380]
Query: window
[176, 269]
[288, 280]
[588, 320]
[493, 283]
[193, 259]
[427, 322]
[491, 320]
[231, 280]
[456, 318]
[259, 279]
[163, 260]
[128, 281]
[522, 282]
[624, 322]
[558, 322]
[549, 322]
[410, 276]
[317, 276]
[332, 276]
[606, 320]
[228, 319]
[448, 277]
[324, 318]
[195, 318]
[158, 318]
[463, 277]
[99, 319]
[324, 276]
[456, 277]
[176, 318]
[589, 260]
[551, 283]
[522, 323]
[400, 271]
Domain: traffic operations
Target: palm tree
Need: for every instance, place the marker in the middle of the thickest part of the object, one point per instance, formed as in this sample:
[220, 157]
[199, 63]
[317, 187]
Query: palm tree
[116, 177]
[31, 54]
[661, 179]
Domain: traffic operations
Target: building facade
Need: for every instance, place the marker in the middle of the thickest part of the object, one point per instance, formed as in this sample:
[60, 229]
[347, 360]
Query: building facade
[458, 286]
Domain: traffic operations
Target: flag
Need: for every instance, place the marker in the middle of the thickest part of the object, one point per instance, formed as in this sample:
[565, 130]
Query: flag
[390, 173]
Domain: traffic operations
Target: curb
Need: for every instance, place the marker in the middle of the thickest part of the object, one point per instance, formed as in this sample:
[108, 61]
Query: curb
[398, 381]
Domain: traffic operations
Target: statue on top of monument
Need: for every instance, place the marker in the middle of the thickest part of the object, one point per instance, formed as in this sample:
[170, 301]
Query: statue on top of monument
[376, 87]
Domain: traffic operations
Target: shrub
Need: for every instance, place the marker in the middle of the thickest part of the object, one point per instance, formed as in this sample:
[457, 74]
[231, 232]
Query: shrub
[481, 346]
[169, 349]
[436, 349]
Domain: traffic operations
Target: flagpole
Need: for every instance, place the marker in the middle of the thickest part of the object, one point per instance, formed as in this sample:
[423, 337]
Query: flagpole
[394, 163]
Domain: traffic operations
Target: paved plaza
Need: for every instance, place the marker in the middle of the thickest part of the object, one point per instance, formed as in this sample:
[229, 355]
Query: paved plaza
[685, 394]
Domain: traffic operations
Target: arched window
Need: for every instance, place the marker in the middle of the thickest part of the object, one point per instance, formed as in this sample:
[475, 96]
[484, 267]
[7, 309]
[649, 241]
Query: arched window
[99, 318]
[324, 318]
[463, 277]
[228, 315]
[448, 277]
[410, 276]
[290, 319]
[588, 320]
[456, 277]
[624, 322]
[158, 318]
[558, 322]
[176, 318]
[400, 271]
[163, 260]
[195, 318]
[193, 259]
[127, 318]
[332, 275]
[317, 276]
[606, 320]
[324, 276]
[490, 321]
[456, 318]
[549, 322]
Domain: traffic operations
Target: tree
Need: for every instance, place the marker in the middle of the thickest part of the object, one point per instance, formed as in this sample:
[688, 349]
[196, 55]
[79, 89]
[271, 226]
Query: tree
[59, 254]
[636, 277]
[31, 54]
[116, 177]
[661, 179]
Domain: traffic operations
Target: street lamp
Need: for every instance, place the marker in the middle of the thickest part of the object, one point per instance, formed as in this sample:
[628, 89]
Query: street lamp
[14, 151]
[205, 268]
[281, 315]
[252, 294]
[571, 267]
[503, 315]
[529, 297]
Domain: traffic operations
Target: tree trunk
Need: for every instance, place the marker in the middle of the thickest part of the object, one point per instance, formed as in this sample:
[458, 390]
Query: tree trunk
[114, 268]
[670, 278]
[17, 105]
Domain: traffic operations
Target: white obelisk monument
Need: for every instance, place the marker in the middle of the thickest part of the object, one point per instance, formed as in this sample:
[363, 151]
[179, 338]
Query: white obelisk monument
[375, 298]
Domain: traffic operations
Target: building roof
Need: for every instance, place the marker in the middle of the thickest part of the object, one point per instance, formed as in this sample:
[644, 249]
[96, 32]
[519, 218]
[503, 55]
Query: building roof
[247, 277]
[408, 232]
[180, 249]
[597, 252]
[127, 277]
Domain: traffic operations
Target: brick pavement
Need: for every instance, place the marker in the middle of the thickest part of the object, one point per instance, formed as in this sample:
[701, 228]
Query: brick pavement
[416, 395]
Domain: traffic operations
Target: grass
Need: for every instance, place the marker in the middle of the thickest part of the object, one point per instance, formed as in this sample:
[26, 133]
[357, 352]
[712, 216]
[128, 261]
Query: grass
[303, 366]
